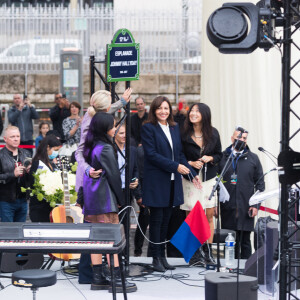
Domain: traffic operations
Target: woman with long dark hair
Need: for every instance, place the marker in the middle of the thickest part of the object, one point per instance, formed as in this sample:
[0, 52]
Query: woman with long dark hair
[103, 195]
[39, 211]
[202, 148]
[164, 163]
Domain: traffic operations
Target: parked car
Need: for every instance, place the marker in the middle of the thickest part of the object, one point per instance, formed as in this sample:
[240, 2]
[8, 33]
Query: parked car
[35, 51]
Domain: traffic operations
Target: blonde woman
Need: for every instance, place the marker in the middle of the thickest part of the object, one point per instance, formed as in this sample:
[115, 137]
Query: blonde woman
[100, 101]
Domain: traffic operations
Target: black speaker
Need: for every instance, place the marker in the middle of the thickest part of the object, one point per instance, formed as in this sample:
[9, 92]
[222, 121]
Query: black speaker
[271, 245]
[223, 286]
[11, 262]
[255, 265]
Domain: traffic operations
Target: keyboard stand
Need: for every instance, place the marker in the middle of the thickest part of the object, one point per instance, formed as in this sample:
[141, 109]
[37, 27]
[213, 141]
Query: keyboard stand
[49, 262]
[113, 279]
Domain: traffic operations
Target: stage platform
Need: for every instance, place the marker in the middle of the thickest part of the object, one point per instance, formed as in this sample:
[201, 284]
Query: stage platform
[183, 283]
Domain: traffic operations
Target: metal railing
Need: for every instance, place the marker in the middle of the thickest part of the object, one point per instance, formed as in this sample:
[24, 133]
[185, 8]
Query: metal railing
[30, 38]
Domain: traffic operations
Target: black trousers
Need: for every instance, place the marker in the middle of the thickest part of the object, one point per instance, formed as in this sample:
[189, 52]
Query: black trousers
[243, 240]
[177, 218]
[138, 237]
[158, 226]
[158, 229]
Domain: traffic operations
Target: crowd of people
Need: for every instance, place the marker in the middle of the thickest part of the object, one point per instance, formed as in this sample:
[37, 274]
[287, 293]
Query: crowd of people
[173, 165]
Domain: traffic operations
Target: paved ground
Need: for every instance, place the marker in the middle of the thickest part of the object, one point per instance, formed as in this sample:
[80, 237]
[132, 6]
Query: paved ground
[184, 283]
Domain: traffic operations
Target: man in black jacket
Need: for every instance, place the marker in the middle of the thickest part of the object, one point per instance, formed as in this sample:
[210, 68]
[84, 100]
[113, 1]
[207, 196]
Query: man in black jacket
[13, 175]
[138, 119]
[243, 177]
[59, 112]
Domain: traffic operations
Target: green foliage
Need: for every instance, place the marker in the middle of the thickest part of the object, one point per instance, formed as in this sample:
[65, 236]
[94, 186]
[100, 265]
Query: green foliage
[74, 167]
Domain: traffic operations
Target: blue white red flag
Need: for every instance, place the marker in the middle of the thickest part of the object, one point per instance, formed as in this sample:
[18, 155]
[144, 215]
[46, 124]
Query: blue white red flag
[193, 232]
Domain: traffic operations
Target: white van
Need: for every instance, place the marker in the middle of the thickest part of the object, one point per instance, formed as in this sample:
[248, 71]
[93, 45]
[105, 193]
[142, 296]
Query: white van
[36, 51]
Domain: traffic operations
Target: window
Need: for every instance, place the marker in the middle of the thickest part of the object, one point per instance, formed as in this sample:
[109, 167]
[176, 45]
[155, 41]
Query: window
[20, 50]
[42, 49]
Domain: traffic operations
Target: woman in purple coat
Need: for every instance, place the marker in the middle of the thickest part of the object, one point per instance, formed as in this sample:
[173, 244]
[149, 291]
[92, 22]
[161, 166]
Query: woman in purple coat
[103, 195]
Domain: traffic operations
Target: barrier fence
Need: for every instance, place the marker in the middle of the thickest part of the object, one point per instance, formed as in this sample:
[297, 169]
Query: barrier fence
[32, 37]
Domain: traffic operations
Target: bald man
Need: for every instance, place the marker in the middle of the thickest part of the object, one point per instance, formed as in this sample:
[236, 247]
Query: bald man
[13, 176]
[242, 178]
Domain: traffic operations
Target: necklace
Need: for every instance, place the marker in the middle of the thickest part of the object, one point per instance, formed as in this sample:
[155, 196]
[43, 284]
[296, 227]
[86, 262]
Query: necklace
[198, 136]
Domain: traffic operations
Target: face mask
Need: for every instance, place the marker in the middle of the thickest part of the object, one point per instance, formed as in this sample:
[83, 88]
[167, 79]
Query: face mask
[239, 145]
[53, 155]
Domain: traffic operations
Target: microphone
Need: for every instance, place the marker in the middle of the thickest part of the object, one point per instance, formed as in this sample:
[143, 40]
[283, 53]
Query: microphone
[268, 154]
[264, 150]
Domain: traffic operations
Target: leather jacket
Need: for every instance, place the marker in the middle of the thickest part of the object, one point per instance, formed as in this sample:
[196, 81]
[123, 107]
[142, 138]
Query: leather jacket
[8, 181]
[103, 195]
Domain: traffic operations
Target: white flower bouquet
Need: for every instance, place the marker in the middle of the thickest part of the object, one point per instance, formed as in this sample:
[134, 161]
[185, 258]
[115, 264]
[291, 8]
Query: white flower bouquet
[48, 186]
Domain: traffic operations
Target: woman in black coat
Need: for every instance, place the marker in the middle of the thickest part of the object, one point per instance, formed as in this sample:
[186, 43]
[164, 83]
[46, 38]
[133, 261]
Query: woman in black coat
[164, 163]
[202, 148]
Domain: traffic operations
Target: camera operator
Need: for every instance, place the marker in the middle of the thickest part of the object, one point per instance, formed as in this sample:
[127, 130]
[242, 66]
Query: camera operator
[21, 115]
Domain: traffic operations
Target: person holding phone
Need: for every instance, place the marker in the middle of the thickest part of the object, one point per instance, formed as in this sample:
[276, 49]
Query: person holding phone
[164, 164]
[21, 115]
[13, 176]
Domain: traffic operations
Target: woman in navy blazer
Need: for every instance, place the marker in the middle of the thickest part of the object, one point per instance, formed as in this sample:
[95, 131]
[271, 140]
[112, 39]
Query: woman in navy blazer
[164, 163]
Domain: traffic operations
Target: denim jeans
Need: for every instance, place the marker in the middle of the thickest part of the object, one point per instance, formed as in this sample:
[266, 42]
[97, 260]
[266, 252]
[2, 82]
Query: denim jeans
[13, 211]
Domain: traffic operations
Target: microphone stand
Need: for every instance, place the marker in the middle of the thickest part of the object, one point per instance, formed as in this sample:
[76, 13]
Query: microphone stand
[218, 180]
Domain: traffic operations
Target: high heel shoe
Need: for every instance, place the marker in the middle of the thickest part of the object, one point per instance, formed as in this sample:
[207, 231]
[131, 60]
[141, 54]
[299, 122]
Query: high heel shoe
[157, 265]
[206, 251]
[197, 260]
[166, 264]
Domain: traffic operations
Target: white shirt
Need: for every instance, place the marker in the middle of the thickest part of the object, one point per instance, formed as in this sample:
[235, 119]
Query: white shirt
[237, 152]
[166, 130]
[121, 163]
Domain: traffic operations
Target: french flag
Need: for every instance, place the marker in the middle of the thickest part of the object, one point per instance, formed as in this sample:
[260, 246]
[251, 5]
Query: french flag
[193, 232]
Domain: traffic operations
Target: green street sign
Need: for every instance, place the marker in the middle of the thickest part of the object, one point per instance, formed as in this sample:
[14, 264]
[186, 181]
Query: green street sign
[123, 57]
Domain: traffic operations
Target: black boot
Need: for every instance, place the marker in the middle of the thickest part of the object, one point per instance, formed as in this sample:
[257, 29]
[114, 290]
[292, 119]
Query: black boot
[206, 251]
[197, 260]
[157, 265]
[165, 264]
[130, 287]
[99, 281]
